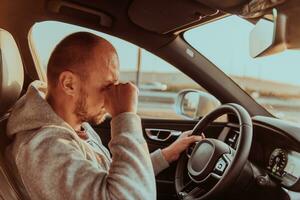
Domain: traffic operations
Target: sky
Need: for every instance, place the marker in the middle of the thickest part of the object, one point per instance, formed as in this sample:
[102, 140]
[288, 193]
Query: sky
[225, 42]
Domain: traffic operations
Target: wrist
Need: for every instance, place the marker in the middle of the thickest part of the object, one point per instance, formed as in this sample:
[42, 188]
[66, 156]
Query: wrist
[113, 115]
[119, 112]
[169, 155]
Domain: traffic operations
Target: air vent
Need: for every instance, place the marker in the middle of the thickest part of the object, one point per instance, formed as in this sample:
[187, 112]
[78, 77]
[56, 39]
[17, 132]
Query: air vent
[79, 12]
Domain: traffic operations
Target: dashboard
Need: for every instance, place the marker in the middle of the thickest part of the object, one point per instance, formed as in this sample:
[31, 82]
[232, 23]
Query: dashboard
[276, 149]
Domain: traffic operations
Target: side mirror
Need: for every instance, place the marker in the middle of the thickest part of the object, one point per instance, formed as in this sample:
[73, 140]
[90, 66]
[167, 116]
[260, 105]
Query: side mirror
[194, 104]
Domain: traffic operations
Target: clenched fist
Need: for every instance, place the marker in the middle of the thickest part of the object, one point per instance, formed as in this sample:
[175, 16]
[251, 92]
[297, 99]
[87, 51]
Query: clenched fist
[121, 98]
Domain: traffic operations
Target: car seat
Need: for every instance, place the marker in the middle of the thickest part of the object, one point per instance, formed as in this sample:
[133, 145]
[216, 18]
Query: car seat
[11, 83]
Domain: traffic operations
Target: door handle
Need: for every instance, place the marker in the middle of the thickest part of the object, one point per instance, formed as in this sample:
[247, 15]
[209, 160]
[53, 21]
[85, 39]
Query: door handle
[161, 135]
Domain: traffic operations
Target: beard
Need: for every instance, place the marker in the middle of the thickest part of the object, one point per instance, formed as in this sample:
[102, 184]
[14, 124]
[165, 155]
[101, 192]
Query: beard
[81, 111]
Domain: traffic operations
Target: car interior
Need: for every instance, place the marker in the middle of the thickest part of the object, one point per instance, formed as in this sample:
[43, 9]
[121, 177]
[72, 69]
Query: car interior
[250, 155]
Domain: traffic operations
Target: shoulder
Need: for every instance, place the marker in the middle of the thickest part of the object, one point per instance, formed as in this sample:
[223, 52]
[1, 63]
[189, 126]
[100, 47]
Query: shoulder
[49, 138]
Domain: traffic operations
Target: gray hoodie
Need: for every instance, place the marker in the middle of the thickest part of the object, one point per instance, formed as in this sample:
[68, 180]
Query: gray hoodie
[52, 162]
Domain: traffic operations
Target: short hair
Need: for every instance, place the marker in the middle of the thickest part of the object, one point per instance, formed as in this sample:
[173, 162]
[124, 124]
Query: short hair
[72, 54]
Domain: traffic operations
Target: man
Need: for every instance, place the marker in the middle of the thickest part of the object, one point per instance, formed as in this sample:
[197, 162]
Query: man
[57, 155]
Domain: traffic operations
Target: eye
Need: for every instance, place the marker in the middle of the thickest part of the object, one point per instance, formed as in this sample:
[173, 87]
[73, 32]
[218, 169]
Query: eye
[105, 87]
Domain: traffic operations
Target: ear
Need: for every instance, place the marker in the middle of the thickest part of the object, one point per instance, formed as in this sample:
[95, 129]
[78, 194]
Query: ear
[69, 83]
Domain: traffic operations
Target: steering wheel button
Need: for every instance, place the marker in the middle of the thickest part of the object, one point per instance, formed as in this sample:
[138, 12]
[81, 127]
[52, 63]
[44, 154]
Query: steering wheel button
[220, 166]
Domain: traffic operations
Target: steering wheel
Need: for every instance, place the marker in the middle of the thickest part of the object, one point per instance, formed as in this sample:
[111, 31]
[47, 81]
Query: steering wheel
[213, 165]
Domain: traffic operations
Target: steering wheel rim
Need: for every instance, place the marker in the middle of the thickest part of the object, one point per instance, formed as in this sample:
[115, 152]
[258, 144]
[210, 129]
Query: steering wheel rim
[235, 164]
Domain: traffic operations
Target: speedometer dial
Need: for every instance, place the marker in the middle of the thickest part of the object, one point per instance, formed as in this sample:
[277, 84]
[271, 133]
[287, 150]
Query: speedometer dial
[277, 162]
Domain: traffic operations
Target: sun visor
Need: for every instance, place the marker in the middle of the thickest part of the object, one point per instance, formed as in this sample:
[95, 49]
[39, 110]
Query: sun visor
[158, 16]
[226, 5]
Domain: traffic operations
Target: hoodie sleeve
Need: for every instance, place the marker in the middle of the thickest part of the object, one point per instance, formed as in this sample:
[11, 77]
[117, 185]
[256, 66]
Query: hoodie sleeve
[52, 165]
[158, 161]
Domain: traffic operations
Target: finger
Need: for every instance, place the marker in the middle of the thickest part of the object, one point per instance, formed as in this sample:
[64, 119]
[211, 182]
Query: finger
[194, 138]
[187, 133]
[133, 86]
[184, 135]
[124, 82]
[202, 135]
[190, 132]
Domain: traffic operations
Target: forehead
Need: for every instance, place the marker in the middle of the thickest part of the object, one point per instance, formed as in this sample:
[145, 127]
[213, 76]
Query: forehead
[107, 71]
[104, 63]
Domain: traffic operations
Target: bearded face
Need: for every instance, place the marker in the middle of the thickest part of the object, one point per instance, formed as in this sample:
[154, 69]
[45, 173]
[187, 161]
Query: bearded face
[88, 113]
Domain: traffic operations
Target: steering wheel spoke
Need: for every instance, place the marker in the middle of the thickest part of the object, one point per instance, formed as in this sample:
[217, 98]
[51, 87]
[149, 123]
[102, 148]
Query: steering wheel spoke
[191, 189]
[215, 176]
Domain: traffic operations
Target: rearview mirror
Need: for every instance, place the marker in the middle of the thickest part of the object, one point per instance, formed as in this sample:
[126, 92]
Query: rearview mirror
[194, 104]
[282, 33]
[262, 37]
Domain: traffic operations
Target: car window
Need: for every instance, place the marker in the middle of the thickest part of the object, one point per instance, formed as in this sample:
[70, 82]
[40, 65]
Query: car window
[273, 81]
[158, 81]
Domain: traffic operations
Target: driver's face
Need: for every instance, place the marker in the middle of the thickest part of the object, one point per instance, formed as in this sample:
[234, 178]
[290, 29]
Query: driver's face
[90, 105]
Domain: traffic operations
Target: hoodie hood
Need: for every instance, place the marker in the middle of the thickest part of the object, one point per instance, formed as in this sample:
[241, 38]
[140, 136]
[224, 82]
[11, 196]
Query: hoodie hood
[32, 111]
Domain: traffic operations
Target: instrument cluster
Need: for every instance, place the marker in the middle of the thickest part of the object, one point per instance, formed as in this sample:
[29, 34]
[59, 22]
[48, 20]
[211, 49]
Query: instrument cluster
[285, 166]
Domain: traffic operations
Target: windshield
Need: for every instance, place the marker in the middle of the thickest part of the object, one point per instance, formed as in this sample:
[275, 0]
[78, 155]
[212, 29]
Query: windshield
[273, 81]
